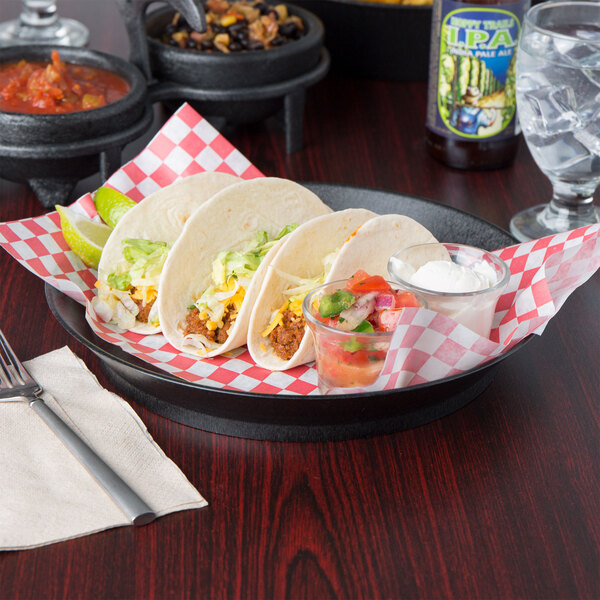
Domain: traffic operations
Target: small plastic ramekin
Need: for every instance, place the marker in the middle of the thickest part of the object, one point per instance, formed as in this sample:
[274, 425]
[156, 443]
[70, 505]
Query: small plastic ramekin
[346, 359]
[474, 310]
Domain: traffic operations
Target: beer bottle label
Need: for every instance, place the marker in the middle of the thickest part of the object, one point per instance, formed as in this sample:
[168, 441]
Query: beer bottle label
[472, 70]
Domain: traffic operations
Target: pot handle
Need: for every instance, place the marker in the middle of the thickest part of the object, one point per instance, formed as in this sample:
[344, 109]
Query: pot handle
[133, 12]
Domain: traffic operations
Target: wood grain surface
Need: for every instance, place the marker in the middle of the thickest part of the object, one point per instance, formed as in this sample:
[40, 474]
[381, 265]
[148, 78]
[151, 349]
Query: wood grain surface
[498, 500]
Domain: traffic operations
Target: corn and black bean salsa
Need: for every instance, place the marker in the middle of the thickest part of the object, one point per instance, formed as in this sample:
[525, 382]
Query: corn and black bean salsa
[236, 27]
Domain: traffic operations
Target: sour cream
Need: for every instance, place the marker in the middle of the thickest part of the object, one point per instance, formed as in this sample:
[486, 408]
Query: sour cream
[461, 282]
[447, 276]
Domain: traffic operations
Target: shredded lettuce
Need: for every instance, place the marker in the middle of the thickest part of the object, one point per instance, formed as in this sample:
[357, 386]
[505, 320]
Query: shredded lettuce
[144, 260]
[135, 249]
[119, 282]
[287, 229]
[243, 264]
[232, 270]
[134, 277]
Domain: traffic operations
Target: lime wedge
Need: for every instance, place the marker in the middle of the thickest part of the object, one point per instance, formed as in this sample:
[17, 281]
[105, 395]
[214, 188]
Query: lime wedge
[111, 205]
[85, 237]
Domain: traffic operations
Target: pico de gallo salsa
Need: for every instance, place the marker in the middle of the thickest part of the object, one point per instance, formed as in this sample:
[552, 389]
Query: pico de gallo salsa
[57, 87]
[359, 320]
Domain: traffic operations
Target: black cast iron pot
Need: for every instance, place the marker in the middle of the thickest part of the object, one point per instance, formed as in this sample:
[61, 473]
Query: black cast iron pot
[21, 129]
[52, 152]
[237, 69]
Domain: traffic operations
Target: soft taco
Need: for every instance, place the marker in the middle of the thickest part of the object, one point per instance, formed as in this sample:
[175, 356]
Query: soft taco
[214, 271]
[375, 242]
[134, 254]
[276, 332]
[278, 338]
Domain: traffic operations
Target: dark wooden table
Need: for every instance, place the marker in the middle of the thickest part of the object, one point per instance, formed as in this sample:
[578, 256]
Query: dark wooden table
[499, 500]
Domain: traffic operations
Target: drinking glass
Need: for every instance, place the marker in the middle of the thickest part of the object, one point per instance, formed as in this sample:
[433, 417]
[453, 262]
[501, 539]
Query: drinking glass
[39, 23]
[558, 102]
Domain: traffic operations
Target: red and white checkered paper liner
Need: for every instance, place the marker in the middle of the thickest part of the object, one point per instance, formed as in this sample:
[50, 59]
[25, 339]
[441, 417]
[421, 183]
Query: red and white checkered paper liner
[426, 346]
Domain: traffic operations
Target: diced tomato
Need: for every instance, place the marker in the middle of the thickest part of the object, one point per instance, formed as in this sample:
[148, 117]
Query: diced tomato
[357, 277]
[330, 321]
[363, 357]
[373, 283]
[339, 374]
[388, 319]
[406, 300]
[349, 369]
[333, 351]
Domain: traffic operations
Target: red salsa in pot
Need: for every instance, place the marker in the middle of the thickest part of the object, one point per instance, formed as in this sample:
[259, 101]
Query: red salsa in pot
[57, 87]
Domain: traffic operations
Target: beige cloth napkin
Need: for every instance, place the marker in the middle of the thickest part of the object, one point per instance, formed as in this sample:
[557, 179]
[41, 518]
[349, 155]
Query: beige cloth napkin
[46, 494]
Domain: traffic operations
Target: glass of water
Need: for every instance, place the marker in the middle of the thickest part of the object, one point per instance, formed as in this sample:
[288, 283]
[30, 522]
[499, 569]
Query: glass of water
[558, 102]
[39, 23]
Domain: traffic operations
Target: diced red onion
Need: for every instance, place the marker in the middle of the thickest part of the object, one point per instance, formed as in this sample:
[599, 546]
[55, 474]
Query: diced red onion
[384, 300]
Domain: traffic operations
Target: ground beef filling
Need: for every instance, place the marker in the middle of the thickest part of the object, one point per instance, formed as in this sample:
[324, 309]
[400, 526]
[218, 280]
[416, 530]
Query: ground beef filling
[194, 324]
[144, 309]
[286, 337]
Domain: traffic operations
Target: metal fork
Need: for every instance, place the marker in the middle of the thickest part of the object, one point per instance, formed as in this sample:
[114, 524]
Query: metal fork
[16, 382]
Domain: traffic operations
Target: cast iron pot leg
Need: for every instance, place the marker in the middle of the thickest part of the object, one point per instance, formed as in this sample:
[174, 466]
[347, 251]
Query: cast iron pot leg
[52, 191]
[110, 161]
[293, 106]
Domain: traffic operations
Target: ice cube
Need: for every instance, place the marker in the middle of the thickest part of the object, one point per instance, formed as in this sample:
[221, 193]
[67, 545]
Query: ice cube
[532, 80]
[583, 56]
[537, 44]
[560, 156]
[588, 107]
[548, 110]
[593, 75]
[591, 33]
[564, 45]
[589, 136]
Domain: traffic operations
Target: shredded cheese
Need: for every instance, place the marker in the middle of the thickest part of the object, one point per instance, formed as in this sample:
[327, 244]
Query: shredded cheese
[146, 293]
[353, 233]
[276, 321]
[294, 304]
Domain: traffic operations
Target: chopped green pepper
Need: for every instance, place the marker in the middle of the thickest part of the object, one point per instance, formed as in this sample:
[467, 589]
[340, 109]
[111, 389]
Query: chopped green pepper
[352, 345]
[364, 327]
[333, 304]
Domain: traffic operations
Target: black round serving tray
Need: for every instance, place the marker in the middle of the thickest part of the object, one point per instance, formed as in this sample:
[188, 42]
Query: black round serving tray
[296, 417]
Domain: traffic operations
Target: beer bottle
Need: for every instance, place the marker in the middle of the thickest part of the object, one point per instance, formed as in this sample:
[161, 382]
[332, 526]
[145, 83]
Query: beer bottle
[471, 103]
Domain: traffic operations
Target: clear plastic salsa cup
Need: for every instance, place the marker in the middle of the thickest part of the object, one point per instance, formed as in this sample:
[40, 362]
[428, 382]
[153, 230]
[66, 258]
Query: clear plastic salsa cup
[346, 359]
[474, 309]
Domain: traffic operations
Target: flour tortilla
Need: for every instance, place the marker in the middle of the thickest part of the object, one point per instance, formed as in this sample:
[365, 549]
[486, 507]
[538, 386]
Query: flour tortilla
[227, 222]
[375, 242]
[160, 217]
[301, 255]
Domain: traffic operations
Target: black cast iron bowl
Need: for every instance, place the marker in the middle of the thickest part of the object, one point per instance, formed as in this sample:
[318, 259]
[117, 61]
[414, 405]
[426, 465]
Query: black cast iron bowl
[372, 40]
[52, 152]
[237, 69]
[21, 129]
